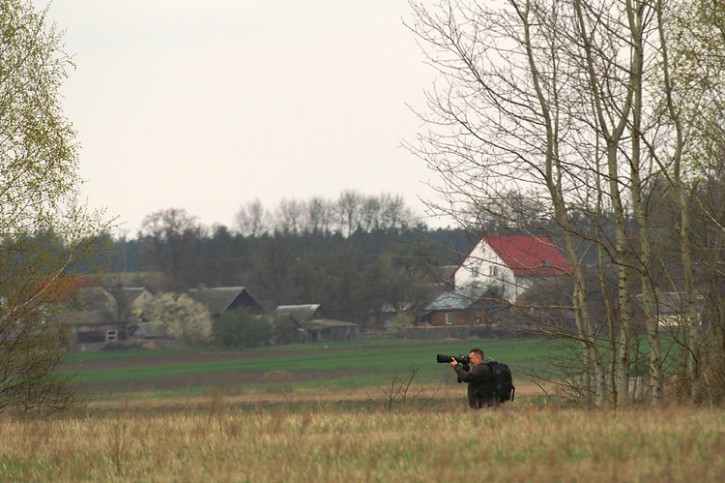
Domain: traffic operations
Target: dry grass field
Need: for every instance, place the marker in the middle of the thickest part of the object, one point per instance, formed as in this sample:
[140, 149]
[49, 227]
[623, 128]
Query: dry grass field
[326, 437]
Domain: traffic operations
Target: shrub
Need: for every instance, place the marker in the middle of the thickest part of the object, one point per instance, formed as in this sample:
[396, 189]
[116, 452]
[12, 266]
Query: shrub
[284, 330]
[239, 328]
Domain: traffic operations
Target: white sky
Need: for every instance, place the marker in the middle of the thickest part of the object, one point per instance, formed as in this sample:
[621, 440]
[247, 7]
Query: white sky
[209, 104]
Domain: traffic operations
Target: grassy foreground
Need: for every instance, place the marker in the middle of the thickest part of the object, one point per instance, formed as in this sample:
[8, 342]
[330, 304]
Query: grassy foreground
[317, 442]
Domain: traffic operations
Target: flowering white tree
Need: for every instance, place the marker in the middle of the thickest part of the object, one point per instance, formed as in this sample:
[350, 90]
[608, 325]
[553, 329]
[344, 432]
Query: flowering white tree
[180, 317]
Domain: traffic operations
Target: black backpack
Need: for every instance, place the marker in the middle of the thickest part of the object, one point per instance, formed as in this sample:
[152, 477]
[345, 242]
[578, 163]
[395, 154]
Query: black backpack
[503, 385]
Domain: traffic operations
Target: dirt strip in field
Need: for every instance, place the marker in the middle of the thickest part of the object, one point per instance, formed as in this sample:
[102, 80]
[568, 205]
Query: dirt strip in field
[217, 397]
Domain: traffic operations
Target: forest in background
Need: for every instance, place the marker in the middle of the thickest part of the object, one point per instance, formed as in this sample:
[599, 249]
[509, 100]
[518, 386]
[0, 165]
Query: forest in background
[351, 256]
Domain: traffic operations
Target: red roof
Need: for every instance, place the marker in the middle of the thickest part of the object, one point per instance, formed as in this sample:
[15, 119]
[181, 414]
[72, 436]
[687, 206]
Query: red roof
[529, 256]
[56, 289]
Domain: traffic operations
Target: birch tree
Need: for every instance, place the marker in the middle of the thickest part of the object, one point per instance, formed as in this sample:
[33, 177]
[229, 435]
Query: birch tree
[558, 101]
[45, 231]
[692, 75]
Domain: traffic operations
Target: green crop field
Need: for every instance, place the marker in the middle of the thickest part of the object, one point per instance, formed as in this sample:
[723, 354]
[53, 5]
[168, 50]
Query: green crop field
[332, 366]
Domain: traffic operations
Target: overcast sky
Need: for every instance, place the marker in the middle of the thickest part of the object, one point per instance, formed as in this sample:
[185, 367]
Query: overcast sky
[207, 105]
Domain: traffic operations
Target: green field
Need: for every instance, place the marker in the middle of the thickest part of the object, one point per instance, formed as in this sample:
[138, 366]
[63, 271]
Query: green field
[299, 367]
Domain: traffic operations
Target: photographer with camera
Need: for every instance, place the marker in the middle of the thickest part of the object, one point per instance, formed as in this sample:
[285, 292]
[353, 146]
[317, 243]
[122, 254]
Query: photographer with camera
[479, 378]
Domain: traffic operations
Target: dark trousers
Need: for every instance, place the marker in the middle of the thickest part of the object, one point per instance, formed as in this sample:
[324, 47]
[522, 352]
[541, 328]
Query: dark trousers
[484, 402]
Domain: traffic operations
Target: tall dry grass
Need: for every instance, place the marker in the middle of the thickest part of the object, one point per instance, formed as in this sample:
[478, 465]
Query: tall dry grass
[317, 442]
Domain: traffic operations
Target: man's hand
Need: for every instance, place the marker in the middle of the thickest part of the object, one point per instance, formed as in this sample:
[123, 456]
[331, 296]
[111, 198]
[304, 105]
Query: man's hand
[453, 363]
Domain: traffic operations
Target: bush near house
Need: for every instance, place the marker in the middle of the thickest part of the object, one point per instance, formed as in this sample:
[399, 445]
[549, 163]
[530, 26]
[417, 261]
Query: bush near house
[240, 328]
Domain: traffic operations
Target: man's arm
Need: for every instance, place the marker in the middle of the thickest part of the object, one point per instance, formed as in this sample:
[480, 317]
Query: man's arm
[477, 374]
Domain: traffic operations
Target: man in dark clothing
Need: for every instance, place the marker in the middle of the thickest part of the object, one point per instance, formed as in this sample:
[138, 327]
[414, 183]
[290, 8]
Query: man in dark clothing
[479, 378]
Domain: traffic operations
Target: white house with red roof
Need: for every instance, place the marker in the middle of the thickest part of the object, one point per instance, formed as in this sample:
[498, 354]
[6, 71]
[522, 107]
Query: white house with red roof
[511, 264]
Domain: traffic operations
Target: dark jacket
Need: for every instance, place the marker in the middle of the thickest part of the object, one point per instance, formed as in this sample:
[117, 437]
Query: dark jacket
[480, 384]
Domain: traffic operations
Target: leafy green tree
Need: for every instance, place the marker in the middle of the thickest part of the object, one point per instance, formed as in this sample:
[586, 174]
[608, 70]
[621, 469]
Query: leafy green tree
[180, 317]
[239, 328]
[46, 234]
[284, 330]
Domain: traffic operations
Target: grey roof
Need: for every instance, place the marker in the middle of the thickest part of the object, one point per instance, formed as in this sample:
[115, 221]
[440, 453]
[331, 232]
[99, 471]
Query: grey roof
[458, 299]
[300, 313]
[91, 317]
[310, 317]
[97, 307]
[130, 294]
[322, 324]
[220, 299]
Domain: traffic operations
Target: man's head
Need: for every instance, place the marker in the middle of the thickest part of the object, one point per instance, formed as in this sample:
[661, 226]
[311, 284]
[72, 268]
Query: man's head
[476, 356]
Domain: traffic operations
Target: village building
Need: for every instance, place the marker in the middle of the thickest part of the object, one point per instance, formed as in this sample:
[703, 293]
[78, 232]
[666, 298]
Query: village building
[498, 272]
[314, 325]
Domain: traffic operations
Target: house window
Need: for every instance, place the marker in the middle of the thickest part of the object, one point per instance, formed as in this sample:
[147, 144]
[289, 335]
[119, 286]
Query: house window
[493, 270]
[449, 318]
[111, 335]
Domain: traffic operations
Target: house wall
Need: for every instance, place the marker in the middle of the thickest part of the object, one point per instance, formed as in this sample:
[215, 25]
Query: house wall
[139, 303]
[458, 318]
[97, 334]
[485, 267]
[334, 334]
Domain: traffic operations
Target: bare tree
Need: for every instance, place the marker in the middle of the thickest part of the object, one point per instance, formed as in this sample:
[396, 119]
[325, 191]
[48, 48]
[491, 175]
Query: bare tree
[290, 217]
[553, 101]
[394, 214]
[349, 210]
[692, 75]
[319, 215]
[500, 111]
[172, 239]
[251, 219]
[371, 214]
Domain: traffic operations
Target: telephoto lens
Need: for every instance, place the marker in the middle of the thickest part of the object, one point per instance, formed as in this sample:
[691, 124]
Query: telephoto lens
[445, 359]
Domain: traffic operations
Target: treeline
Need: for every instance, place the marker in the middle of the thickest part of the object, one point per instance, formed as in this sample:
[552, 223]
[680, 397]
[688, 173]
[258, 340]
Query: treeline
[349, 213]
[374, 254]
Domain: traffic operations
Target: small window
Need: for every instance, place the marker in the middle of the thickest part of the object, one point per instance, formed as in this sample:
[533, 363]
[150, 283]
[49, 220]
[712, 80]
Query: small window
[449, 318]
[493, 270]
[111, 335]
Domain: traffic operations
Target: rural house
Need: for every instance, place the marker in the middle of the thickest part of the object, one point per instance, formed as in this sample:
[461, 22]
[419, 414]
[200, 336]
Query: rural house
[672, 310]
[497, 273]
[509, 265]
[314, 325]
[132, 303]
[470, 305]
[92, 316]
[385, 316]
[80, 303]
